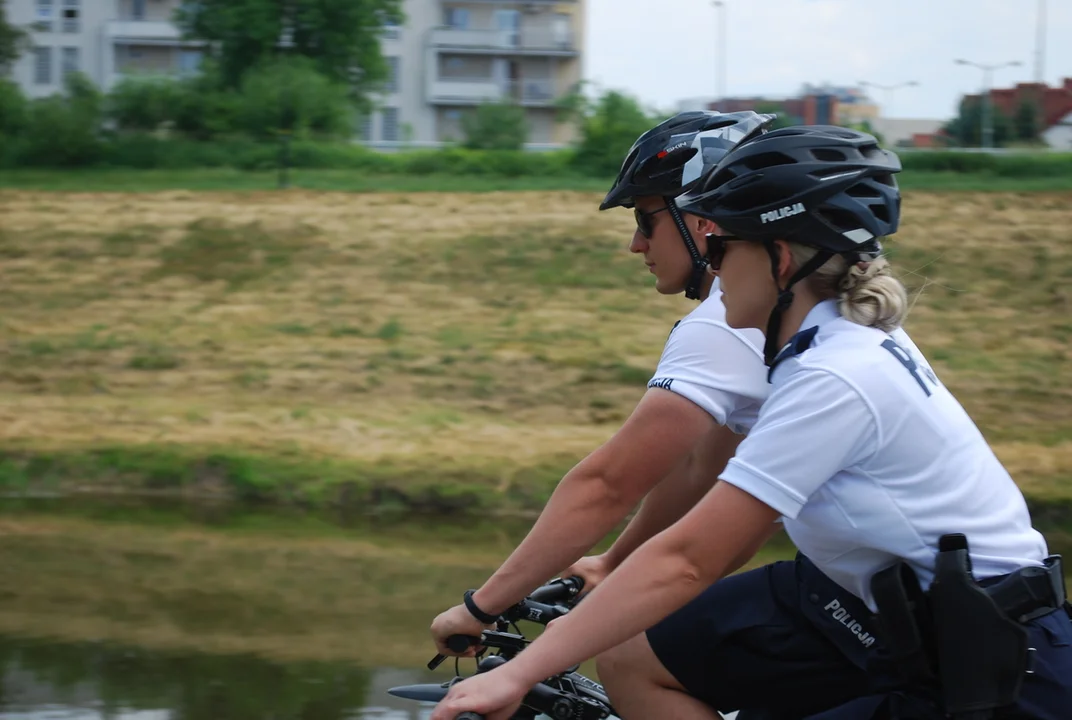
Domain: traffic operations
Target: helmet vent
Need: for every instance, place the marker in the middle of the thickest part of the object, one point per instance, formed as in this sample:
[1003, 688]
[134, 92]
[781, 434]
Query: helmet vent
[863, 190]
[766, 160]
[828, 155]
[885, 179]
[871, 152]
[842, 220]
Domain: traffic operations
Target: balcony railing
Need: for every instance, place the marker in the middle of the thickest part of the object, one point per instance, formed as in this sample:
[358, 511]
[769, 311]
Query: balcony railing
[473, 91]
[531, 40]
[146, 31]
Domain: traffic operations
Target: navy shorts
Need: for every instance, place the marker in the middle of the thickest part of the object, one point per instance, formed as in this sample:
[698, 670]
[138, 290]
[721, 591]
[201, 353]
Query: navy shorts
[786, 639]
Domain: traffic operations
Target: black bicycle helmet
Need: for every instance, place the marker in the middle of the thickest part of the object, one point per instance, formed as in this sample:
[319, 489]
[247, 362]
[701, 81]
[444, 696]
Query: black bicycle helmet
[673, 156]
[824, 186]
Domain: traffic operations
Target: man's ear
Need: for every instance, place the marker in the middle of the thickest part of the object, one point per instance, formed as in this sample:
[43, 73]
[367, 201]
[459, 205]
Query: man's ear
[705, 226]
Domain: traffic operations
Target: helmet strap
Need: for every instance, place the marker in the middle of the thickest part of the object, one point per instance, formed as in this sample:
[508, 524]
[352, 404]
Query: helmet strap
[785, 297]
[699, 262]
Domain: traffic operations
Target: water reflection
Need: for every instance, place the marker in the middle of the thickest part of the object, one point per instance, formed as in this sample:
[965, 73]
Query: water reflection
[95, 681]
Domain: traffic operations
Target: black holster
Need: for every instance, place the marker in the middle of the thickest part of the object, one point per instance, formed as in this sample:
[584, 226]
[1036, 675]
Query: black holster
[982, 652]
[960, 636]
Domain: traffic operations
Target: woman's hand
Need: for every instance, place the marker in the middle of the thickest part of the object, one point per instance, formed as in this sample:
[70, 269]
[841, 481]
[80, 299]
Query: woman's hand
[495, 694]
[456, 621]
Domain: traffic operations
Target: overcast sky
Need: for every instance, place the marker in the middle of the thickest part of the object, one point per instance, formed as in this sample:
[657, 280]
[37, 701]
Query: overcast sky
[663, 51]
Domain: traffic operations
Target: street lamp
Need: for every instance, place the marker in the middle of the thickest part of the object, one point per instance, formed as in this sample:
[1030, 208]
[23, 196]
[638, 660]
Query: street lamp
[988, 75]
[888, 90]
[721, 9]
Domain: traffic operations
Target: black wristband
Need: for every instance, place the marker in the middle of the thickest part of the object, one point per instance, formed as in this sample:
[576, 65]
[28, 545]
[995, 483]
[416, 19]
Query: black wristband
[476, 612]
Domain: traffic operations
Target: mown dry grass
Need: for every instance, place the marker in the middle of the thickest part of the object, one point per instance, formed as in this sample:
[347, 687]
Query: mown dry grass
[494, 330]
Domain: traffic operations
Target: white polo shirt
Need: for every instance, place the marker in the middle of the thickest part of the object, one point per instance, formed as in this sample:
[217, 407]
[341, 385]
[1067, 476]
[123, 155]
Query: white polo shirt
[714, 366]
[871, 459]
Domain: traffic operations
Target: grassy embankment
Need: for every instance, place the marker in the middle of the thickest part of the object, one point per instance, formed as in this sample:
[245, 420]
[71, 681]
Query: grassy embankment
[439, 351]
[230, 179]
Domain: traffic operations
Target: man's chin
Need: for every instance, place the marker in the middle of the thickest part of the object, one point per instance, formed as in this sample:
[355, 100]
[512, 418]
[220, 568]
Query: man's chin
[669, 288]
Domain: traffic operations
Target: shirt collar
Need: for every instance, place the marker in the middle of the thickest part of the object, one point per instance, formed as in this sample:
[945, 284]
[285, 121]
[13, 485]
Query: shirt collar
[823, 312]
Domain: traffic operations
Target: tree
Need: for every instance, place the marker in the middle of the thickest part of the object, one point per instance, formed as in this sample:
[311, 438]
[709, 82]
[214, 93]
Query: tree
[13, 108]
[144, 103]
[64, 130]
[13, 41]
[341, 37]
[1027, 121]
[496, 126]
[609, 127]
[966, 128]
[289, 95]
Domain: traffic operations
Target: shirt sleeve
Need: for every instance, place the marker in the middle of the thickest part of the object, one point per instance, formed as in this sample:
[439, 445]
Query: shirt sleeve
[811, 428]
[715, 368]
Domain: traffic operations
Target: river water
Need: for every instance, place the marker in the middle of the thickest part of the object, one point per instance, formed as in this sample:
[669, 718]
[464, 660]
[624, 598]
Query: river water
[68, 612]
[97, 681]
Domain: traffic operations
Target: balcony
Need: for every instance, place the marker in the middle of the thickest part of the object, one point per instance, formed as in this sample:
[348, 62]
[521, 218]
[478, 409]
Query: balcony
[527, 41]
[143, 32]
[474, 91]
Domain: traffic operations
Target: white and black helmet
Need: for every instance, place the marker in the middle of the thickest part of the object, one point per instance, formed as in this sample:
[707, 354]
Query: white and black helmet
[668, 159]
[673, 156]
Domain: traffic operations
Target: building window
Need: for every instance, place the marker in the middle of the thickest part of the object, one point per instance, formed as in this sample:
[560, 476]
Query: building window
[452, 125]
[392, 75]
[137, 9]
[70, 61]
[364, 128]
[391, 31]
[390, 124]
[43, 65]
[44, 17]
[562, 29]
[70, 16]
[189, 62]
[456, 18]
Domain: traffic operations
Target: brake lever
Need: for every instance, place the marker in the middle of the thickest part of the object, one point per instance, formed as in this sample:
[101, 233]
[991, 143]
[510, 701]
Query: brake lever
[489, 638]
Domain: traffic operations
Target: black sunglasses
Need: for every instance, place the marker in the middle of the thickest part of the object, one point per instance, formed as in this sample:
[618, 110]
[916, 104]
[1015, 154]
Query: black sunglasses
[716, 248]
[643, 220]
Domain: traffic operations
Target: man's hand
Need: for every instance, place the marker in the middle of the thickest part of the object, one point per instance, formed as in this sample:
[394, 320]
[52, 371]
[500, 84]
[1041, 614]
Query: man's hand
[593, 569]
[456, 621]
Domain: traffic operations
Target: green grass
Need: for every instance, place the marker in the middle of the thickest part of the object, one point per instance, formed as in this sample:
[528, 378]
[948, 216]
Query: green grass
[284, 478]
[226, 179]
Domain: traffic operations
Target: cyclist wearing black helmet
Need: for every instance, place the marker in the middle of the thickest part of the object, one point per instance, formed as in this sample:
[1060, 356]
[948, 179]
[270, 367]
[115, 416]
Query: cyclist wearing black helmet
[922, 591]
[706, 390]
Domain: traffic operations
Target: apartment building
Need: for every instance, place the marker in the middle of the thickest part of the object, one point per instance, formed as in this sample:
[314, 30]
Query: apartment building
[450, 56]
[105, 39]
[454, 54]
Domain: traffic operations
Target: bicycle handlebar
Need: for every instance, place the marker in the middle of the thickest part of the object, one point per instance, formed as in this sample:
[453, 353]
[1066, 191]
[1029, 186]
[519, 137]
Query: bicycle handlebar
[558, 591]
[542, 606]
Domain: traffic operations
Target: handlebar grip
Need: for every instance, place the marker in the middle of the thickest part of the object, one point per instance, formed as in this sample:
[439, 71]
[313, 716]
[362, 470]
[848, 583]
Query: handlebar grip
[558, 590]
[469, 716]
[461, 643]
[457, 643]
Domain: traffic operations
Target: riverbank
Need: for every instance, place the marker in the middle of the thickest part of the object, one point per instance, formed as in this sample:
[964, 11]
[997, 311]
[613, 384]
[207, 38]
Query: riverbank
[444, 353]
